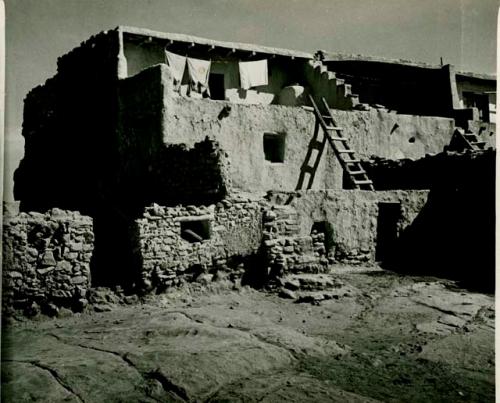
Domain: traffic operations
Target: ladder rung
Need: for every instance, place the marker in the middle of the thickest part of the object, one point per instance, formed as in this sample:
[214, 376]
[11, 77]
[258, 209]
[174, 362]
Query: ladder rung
[365, 182]
[478, 143]
[308, 108]
[470, 135]
[352, 161]
[338, 138]
[333, 128]
[360, 172]
[346, 151]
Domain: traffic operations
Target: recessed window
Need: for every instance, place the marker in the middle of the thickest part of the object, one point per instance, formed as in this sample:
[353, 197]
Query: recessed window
[274, 147]
[195, 230]
[216, 85]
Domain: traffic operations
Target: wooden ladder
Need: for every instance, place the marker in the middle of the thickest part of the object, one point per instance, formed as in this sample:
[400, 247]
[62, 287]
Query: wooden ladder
[347, 158]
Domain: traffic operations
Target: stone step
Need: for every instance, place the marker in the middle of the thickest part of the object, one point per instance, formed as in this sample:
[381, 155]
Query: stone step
[310, 282]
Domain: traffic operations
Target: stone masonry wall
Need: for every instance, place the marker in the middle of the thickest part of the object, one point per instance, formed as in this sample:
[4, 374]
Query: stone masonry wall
[46, 259]
[286, 250]
[167, 259]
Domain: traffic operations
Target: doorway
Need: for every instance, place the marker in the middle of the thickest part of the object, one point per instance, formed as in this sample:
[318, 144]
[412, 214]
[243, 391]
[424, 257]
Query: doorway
[389, 216]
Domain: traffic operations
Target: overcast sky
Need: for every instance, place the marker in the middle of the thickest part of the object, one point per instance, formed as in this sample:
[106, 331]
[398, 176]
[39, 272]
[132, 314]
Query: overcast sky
[463, 32]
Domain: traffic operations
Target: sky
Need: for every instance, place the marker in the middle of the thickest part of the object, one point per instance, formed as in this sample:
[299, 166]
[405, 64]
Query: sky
[462, 32]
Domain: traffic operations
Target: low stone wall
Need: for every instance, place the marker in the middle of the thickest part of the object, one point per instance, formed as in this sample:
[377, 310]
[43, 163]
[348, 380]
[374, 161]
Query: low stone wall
[352, 216]
[285, 249]
[168, 253]
[46, 261]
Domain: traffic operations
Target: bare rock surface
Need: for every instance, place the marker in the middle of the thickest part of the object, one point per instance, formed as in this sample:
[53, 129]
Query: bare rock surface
[390, 338]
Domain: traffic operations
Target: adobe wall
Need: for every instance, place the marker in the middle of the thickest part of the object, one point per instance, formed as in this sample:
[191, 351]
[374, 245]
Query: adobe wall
[46, 260]
[240, 133]
[151, 171]
[282, 71]
[166, 258]
[352, 217]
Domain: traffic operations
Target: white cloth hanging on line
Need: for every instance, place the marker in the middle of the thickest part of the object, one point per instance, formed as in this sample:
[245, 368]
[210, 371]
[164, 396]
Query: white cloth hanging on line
[198, 70]
[253, 74]
[177, 65]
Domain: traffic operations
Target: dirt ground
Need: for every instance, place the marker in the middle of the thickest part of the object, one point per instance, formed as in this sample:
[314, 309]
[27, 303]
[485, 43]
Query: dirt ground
[382, 337]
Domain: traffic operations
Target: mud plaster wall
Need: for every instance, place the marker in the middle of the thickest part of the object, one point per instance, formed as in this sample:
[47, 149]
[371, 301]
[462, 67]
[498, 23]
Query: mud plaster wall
[152, 171]
[167, 259]
[282, 71]
[46, 259]
[240, 134]
[352, 215]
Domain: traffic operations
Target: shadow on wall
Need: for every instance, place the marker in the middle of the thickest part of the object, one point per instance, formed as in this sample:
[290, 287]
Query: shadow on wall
[453, 237]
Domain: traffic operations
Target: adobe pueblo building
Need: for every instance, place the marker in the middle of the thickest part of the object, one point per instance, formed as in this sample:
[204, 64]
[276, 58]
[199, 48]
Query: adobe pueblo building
[154, 159]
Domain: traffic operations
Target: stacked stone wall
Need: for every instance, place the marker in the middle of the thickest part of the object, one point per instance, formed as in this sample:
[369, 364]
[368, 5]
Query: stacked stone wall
[286, 250]
[46, 260]
[167, 259]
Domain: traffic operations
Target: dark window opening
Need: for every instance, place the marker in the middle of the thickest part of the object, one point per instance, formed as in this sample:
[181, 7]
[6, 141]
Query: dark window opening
[216, 86]
[389, 215]
[274, 147]
[195, 230]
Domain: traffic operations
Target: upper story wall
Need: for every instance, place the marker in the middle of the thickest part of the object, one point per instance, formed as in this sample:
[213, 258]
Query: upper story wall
[241, 129]
[142, 51]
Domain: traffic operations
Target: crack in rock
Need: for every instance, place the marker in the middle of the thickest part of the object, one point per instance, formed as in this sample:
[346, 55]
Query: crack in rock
[167, 385]
[54, 375]
[174, 389]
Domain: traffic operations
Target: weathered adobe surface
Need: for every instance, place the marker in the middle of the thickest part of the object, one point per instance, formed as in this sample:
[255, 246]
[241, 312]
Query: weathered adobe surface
[46, 261]
[239, 130]
[352, 215]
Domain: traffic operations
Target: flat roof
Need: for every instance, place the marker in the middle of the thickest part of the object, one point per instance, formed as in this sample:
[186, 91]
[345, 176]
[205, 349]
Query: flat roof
[327, 56]
[214, 43]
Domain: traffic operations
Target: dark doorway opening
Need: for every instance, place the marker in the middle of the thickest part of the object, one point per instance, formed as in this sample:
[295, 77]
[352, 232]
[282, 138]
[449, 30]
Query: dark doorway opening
[389, 215]
[216, 86]
[325, 228]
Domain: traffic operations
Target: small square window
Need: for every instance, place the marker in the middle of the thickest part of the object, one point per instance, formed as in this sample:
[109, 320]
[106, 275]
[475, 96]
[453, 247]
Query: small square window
[274, 147]
[195, 230]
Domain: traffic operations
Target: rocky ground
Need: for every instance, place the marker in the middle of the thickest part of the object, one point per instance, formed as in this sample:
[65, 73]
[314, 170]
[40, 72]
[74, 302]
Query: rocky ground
[370, 335]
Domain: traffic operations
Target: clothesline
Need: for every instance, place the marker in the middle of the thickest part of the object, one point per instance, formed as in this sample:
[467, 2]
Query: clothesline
[252, 74]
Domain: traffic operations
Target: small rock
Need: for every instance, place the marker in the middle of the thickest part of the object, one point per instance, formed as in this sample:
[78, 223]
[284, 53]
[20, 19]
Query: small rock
[102, 308]
[285, 293]
[292, 284]
[48, 259]
[131, 299]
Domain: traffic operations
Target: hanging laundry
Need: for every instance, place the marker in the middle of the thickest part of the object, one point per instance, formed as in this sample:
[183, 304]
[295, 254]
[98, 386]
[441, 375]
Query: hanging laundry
[253, 74]
[177, 65]
[199, 71]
